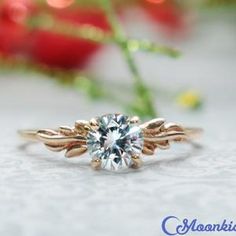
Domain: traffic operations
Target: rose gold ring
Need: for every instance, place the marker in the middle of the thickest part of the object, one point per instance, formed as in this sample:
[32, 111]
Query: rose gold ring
[114, 141]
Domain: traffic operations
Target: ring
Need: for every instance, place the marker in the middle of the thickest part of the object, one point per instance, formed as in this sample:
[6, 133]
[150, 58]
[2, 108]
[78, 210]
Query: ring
[114, 141]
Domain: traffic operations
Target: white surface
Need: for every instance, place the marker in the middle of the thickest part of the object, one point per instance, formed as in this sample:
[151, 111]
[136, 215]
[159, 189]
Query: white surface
[43, 194]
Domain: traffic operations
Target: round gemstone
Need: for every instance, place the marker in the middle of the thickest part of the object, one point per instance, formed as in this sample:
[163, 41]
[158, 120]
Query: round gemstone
[115, 141]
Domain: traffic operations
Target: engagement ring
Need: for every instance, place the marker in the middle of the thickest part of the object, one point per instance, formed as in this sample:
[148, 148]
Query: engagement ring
[114, 141]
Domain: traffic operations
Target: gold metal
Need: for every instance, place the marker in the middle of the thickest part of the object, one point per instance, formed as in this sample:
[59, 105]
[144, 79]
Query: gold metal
[137, 162]
[134, 120]
[96, 164]
[156, 133]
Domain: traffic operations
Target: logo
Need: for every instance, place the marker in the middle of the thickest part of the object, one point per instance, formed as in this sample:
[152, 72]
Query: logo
[172, 225]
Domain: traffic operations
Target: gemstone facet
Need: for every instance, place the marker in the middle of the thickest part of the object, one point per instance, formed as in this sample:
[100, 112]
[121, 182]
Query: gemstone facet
[115, 142]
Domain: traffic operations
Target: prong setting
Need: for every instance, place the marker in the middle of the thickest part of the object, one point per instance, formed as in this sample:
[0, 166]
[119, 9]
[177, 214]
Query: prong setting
[115, 141]
[137, 162]
[93, 123]
[134, 120]
[96, 164]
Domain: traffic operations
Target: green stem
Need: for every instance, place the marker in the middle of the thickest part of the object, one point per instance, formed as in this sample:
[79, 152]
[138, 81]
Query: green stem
[92, 33]
[143, 104]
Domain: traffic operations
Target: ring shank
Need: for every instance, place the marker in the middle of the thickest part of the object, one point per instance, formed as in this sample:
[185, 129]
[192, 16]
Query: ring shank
[29, 134]
[193, 132]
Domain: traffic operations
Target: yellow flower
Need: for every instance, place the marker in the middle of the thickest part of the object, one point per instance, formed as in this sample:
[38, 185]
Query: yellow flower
[189, 99]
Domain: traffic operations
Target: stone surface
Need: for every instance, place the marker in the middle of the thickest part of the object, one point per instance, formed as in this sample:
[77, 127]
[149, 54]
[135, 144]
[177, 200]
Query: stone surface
[115, 142]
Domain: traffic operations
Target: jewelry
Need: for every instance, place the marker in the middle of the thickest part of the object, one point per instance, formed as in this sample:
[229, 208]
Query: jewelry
[114, 141]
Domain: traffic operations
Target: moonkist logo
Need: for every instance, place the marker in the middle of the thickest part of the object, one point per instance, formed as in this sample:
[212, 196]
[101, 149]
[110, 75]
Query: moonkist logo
[172, 225]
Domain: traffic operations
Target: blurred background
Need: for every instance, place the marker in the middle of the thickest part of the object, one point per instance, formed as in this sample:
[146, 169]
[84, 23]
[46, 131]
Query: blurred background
[63, 60]
[99, 48]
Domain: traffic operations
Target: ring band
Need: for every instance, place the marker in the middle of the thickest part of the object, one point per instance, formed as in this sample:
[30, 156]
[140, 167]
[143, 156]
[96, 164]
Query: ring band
[114, 141]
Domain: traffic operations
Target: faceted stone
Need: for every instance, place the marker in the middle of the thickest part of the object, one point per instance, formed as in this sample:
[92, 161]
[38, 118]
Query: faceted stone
[115, 142]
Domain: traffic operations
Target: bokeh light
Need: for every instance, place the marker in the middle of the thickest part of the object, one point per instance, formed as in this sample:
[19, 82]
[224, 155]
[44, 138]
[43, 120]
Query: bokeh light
[17, 11]
[156, 1]
[60, 3]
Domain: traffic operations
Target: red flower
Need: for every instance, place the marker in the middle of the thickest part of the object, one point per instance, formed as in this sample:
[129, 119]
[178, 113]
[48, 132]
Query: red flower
[64, 51]
[167, 13]
[12, 30]
[46, 47]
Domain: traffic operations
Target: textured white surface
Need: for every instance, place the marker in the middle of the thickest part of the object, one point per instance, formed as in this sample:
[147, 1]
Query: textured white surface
[43, 194]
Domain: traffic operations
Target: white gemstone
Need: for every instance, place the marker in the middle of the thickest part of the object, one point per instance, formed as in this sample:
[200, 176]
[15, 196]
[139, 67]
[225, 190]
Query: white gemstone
[115, 142]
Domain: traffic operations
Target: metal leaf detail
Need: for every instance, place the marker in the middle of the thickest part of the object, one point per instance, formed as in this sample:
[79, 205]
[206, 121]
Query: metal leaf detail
[158, 134]
[72, 140]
